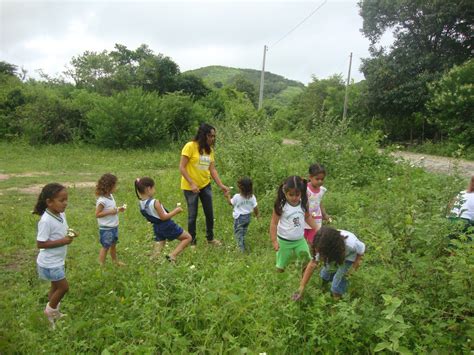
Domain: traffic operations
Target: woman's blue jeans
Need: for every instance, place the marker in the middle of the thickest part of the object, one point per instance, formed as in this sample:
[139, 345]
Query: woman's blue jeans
[192, 200]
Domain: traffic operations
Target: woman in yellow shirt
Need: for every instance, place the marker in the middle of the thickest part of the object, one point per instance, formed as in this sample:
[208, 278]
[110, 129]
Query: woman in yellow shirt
[197, 168]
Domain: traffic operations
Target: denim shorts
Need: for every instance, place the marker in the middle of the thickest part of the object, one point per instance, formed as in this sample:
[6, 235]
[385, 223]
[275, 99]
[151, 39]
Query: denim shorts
[51, 274]
[167, 230]
[108, 237]
[336, 274]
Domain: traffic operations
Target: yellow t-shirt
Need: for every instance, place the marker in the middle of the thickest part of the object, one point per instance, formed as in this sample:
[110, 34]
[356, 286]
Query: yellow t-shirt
[197, 167]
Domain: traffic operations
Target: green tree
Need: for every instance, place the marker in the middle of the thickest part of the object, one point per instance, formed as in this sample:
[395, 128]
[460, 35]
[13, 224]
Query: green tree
[7, 68]
[452, 103]
[192, 85]
[429, 37]
[121, 69]
[241, 84]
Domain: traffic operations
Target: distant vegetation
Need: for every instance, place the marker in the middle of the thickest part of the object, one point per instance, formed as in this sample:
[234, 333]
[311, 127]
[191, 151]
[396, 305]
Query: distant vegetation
[420, 89]
[277, 89]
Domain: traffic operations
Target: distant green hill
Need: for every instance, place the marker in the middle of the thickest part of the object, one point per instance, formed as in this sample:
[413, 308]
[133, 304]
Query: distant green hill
[277, 88]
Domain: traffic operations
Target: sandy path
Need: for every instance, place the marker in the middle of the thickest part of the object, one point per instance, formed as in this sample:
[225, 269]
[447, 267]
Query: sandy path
[436, 164]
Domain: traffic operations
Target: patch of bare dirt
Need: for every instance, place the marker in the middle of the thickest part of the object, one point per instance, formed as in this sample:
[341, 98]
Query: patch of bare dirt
[17, 260]
[436, 164]
[36, 189]
[287, 141]
[35, 174]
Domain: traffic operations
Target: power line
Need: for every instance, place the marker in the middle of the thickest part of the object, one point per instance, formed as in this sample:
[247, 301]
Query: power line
[299, 24]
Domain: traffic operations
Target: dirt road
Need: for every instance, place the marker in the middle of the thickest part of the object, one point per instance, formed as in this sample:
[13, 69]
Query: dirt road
[432, 163]
[438, 164]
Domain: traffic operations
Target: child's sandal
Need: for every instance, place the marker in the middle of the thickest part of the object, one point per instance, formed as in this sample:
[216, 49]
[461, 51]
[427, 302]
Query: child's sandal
[170, 259]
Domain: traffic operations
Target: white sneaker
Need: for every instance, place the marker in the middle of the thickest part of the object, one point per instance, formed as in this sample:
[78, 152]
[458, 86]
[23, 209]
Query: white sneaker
[50, 314]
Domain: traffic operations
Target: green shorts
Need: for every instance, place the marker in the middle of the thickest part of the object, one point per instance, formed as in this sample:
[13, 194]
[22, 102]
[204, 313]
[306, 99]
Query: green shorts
[288, 250]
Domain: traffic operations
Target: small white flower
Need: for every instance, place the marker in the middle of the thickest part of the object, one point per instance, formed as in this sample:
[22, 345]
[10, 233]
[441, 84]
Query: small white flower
[192, 267]
[124, 206]
[178, 204]
[231, 187]
[388, 179]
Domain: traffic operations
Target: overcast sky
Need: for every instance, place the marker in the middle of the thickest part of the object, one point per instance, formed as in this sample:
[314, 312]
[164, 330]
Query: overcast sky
[47, 34]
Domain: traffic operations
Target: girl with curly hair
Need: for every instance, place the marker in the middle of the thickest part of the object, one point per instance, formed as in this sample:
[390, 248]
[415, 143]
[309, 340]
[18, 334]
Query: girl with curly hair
[106, 212]
[338, 251]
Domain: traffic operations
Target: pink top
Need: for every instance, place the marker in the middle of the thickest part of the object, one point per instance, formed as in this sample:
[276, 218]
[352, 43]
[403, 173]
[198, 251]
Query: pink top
[314, 200]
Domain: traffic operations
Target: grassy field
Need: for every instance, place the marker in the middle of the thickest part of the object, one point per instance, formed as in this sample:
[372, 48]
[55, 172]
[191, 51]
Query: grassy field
[216, 300]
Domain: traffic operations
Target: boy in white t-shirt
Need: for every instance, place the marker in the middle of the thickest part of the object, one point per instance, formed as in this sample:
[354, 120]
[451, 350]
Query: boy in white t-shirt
[244, 203]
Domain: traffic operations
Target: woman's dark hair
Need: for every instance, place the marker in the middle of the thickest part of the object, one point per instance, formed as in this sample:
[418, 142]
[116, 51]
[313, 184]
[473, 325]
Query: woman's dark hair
[48, 192]
[293, 182]
[201, 137]
[246, 187]
[316, 169]
[141, 184]
[329, 243]
[105, 184]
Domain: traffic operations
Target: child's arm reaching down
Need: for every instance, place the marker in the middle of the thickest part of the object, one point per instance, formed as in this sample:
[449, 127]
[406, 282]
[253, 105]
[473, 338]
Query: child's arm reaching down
[273, 230]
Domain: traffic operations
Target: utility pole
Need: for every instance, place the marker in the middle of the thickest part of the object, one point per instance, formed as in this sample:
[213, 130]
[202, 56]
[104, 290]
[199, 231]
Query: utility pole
[262, 77]
[347, 88]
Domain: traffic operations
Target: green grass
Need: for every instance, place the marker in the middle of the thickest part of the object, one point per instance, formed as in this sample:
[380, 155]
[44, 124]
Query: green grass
[229, 302]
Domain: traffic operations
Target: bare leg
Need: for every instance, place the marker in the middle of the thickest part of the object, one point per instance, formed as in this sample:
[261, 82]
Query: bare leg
[158, 248]
[61, 287]
[113, 255]
[102, 255]
[184, 239]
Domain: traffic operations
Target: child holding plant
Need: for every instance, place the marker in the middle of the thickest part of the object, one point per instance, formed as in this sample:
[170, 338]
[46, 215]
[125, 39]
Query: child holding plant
[340, 252]
[315, 191]
[244, 203]
[52, 240]
[287, 225]
[106, 212]
[155, 213]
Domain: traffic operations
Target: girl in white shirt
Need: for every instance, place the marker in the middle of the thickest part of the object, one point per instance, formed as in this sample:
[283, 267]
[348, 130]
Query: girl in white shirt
[106, 212]
[52, 240]
[244, 203]
[290, 213]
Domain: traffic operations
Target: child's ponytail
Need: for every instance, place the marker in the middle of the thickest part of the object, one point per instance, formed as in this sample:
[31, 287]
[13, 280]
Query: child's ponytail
[141, 184]
[280, 200]
[48, 192]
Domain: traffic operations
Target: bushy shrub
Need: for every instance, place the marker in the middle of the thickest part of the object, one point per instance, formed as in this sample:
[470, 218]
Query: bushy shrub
[48, 117]
[12, 97]
[135, 118]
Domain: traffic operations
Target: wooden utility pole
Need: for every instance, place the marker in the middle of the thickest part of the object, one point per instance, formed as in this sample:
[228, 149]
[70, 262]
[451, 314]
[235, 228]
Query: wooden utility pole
[262, 79]
[347, 88]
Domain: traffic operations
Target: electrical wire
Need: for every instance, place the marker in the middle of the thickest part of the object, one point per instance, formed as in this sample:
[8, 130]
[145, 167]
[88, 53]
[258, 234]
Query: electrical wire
[299, 24]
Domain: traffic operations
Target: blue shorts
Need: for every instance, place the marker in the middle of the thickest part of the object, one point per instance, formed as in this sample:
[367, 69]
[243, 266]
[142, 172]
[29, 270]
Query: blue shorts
[167, 230]
[51, 274]
[337, 276]
[108, 237]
